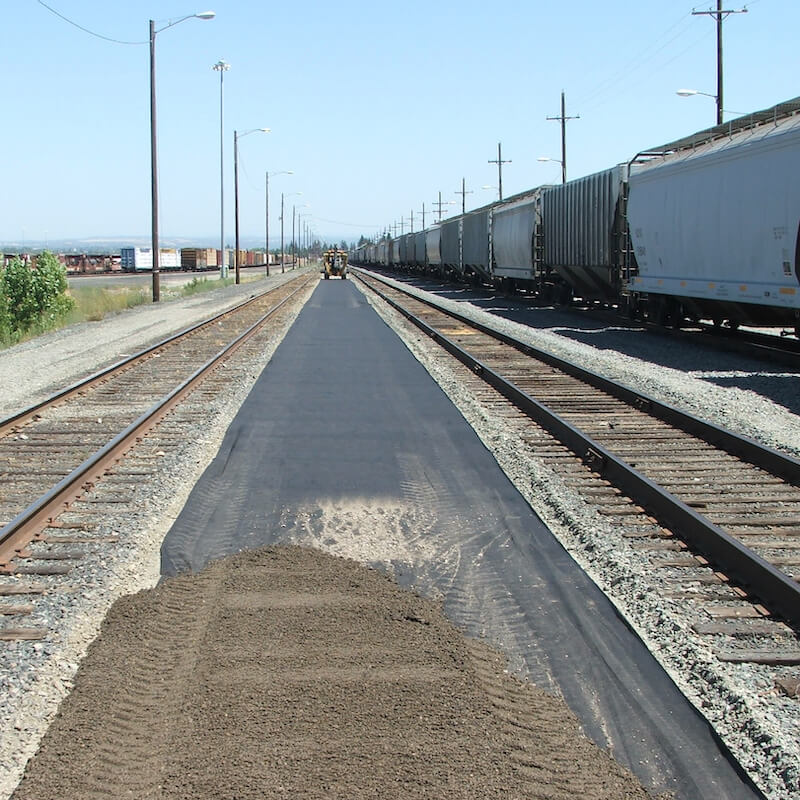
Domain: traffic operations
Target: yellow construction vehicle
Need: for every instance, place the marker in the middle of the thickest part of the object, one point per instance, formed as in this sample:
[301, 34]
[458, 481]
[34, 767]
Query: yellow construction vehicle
[334, 262]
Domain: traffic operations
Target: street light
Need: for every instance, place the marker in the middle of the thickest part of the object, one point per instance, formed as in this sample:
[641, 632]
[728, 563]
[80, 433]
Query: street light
[720, 111]
[556, 161]
[236, 137]
[154, 148]
[222, 67]
[266, 237]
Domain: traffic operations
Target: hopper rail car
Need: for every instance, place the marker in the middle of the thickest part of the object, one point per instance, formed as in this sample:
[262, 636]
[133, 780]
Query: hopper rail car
[703, 228]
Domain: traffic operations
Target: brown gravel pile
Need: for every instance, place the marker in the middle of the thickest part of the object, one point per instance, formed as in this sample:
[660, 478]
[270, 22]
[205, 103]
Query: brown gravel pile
[288, 673]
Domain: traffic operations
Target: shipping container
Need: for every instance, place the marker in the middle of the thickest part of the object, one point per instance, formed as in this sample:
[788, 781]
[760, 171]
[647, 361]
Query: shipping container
[198, 258]
[141, 258]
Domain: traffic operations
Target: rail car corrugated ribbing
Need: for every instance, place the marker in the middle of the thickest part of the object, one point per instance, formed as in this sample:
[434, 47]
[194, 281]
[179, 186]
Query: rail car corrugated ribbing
[707, 227]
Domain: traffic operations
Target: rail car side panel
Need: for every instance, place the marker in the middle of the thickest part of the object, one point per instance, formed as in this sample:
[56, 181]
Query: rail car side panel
[721, 225]
[513, 227]
[475, 241]
[433, 238]
[451, 244]
[579, 232]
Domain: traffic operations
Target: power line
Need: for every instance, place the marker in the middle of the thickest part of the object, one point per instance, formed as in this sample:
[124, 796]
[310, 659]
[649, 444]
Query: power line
[85, 30]
[636, 62]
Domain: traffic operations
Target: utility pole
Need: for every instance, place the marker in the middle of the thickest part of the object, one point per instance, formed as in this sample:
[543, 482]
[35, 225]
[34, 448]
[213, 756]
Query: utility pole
[411, 217]
[464, 194]
[499, 161]
[720, 14]
[439, 203]
[423, 216]
[563, 119]
[283, 269]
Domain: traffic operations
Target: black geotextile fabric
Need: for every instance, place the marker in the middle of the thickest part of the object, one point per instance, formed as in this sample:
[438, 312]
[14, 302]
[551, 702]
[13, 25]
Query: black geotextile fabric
[343, 413]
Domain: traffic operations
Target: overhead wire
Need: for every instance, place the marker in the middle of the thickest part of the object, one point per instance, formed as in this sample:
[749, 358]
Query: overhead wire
[86, 30]
[635, 62]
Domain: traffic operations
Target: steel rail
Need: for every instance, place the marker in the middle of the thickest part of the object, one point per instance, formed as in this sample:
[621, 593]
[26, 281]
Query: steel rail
[776, 590]
[23, 416]
[779, 464]
[18, 533]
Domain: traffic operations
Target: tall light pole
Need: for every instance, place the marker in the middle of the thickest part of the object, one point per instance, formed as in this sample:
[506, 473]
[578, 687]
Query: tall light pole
[222, 67]
[236, 137]
[720, 14]
[154, 147]
[266, 234]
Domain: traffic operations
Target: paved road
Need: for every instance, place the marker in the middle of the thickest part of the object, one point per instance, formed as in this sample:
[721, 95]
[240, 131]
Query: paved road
[347, 444]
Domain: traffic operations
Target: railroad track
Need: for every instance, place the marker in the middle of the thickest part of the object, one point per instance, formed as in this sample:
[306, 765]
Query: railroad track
[53, 455]
[719, 513]
[783, 350]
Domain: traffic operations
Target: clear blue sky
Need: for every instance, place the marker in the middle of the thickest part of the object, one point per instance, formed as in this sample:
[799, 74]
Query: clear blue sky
[376, 107]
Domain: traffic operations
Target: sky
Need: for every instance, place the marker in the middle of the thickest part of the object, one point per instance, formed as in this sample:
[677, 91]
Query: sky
[375, 107]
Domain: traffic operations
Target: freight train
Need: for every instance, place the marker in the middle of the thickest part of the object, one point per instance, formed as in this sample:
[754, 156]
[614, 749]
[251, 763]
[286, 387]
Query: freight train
[706, 227]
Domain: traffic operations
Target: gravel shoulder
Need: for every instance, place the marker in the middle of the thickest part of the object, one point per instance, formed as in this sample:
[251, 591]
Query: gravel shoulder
[33, 370]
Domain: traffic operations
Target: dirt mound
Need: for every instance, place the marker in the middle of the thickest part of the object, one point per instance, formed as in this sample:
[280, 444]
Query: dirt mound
[286, 672]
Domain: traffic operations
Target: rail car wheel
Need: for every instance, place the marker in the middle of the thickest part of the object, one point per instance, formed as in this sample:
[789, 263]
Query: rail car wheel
[563, 295]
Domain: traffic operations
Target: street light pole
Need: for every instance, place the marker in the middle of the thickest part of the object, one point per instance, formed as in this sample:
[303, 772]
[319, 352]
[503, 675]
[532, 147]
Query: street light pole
[154, 168]
[236, 137]
[236, 201]
[154, 149]
[222, 67]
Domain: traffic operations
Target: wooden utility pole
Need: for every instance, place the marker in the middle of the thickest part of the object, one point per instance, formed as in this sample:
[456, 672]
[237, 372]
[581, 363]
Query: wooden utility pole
[563, 119]
[720, 14]
[499, 161]
[464, 194]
